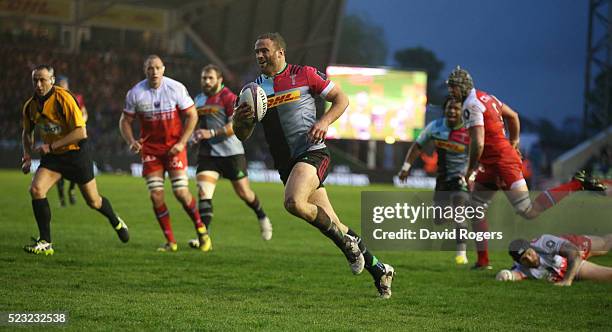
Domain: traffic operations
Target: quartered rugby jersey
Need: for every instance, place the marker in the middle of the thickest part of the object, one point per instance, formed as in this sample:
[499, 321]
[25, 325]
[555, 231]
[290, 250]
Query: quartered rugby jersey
[451, 144]
[214, 113]
[292, 111]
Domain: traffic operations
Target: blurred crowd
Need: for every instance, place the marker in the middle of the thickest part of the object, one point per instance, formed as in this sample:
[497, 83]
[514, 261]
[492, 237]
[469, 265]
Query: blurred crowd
[601, 164]
[102, 77]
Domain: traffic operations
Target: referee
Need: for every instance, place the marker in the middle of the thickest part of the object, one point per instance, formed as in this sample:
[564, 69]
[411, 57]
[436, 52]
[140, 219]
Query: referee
[55, 113]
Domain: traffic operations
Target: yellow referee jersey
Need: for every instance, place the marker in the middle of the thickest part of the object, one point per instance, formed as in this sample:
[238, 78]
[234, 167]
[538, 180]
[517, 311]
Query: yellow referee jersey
[54, 115]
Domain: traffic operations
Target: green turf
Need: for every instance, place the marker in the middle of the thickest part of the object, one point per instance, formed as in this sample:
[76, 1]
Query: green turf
[298, 281]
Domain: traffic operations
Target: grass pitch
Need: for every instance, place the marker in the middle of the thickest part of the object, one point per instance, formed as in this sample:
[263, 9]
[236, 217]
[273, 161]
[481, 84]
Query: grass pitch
[298, 281]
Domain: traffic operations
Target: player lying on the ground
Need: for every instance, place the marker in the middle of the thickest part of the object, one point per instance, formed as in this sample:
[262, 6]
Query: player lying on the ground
[297, 143]
[451, 140]
[54, 113]
[220, 152]
[494, 159]
[558, 259]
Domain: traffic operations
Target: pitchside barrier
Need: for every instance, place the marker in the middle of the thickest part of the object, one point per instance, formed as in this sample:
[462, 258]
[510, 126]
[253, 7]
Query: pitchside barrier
[339, 176]
[566, 164]
[258, 172]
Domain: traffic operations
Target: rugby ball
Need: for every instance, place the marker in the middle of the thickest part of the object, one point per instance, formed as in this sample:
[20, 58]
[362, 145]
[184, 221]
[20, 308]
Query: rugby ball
[255, 96]
[505, 275]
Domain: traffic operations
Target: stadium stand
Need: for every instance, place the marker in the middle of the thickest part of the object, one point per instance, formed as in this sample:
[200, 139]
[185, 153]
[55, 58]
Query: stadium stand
[594, 154]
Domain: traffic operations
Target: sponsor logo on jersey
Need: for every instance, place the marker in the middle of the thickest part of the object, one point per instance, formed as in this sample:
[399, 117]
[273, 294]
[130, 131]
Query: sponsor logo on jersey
[450, 146]
[158, 116]
[284, 98]
[209, 109]
[50, 128]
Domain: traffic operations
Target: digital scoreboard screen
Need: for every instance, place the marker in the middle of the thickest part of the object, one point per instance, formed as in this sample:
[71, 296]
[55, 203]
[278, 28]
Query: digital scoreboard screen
[384, 104]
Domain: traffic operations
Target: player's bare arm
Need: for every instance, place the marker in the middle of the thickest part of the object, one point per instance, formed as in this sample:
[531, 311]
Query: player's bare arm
[27, 140]
[518, 276]
[85, 114]
[572, 253]
[73, 137]
[244, 121]
[511, 118]
[228, 129]
[204, 134]
[339, 102]
[191, 120]
[413, 153]
[125, 127]
[476, 148]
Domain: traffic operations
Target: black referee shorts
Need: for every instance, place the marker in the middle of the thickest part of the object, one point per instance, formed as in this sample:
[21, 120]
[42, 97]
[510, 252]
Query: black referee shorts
[75, 165]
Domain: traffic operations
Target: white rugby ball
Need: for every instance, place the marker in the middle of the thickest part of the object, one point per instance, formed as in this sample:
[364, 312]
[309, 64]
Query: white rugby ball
[255, 96]
[505, 275]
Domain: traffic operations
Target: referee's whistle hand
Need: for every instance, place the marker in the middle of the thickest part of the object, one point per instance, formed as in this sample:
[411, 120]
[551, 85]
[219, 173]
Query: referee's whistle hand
[26, 163]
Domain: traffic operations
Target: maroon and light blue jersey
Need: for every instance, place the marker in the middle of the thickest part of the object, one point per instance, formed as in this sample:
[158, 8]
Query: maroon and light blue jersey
[214, 113]
[451, 145]
[292, 111]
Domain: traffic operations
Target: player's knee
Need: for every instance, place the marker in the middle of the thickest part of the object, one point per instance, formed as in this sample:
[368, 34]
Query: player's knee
[94, 203]
[206, 189]
[157, 197]
[182, 194]
[527, 214]
[36, 192]
[481, 205]
[245, 195]
[460, 198]
[180, 184]
[523, 206]
[293, 206]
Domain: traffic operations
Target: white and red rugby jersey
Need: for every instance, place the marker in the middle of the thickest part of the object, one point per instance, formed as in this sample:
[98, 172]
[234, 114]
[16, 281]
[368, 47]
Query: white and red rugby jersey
[159, 113]
[482, 109]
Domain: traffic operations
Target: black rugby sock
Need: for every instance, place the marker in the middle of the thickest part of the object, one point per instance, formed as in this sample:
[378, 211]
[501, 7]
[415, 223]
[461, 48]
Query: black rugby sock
[60, 188]
[42, 213]
[256, 207]
[374, 267]
[107, 210]
[324, 223]
[206, 211]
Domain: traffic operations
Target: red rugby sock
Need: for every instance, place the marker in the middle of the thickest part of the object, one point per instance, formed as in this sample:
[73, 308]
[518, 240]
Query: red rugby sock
[192, 211]
[551, 197]
[482, 247]
[163, 217]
